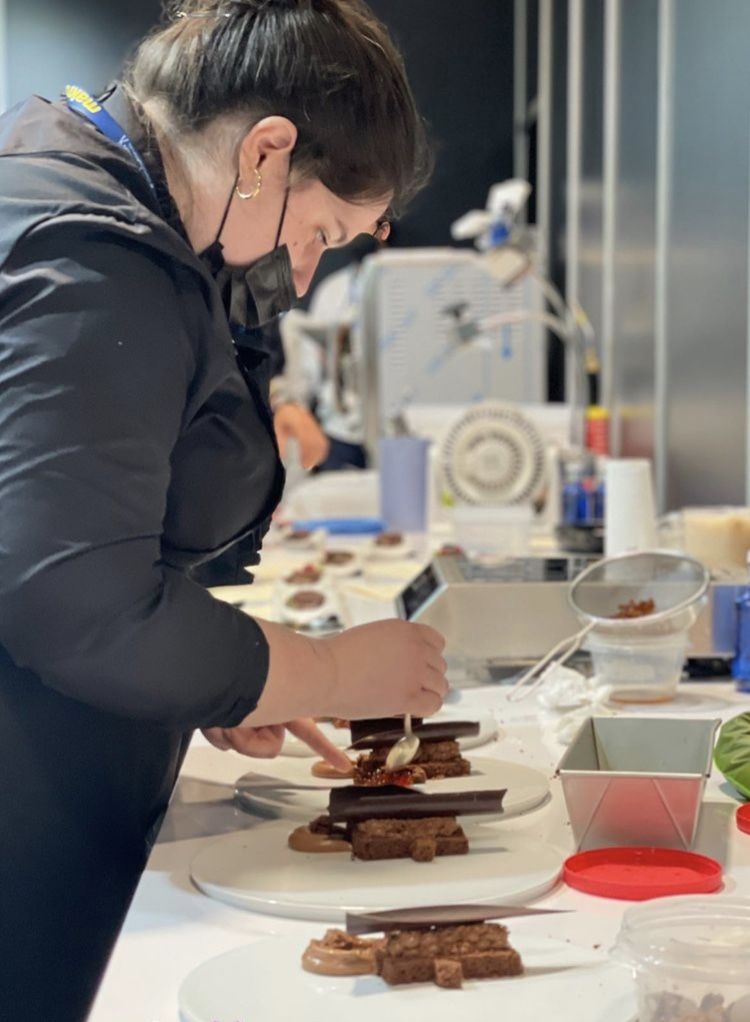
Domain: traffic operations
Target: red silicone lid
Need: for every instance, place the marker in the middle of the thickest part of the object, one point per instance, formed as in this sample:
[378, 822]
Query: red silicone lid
[743, 818]
[636, 874]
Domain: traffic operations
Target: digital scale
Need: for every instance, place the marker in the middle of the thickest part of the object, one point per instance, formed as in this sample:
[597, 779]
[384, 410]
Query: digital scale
[506, 615]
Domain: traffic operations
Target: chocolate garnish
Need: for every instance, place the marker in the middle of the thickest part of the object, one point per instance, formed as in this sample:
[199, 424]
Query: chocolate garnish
[436, 915]
[374, 725]
[392, 802]
[370, 734]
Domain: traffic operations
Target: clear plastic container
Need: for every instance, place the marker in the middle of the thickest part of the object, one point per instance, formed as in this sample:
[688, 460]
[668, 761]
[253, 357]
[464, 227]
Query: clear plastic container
[639, 670]
[690, 958]
[718, 537]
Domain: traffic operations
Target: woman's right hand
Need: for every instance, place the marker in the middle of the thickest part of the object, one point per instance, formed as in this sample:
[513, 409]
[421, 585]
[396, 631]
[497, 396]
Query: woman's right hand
[376, 670]
[388, 668]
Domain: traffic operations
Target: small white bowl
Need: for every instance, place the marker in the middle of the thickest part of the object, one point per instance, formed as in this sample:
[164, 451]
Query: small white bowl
[396, 552]
[350, 567]
[303, 539]
[300, 617]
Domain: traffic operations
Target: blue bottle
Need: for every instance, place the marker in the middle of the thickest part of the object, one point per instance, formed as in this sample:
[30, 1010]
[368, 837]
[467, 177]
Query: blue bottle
[741, 662]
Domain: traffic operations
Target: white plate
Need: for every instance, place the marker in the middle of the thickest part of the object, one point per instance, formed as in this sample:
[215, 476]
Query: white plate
[257, 870]
[266, 981]
[341, 736]
[269, 792]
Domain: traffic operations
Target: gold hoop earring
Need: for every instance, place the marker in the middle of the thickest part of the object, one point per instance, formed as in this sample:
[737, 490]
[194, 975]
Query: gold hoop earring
[256, 189]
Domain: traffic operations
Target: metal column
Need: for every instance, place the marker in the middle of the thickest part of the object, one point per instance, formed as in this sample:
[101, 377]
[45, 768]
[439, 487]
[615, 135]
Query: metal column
[665, 102]
[573, 184]
[610, 156]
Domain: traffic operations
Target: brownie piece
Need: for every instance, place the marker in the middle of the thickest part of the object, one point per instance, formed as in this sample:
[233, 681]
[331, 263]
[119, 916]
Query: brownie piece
[436, 759]
[420, 840]
[441, 751]
[448, 973]
[438, 771]
[449, 941]
[448, 955]
[369, 776]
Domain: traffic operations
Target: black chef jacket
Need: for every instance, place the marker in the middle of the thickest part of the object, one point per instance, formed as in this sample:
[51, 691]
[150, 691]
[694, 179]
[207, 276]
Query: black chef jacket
[131, 449]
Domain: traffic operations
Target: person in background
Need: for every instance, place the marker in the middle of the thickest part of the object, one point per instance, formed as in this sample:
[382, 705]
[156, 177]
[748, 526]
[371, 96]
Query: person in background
[136, 442]
[322, 358]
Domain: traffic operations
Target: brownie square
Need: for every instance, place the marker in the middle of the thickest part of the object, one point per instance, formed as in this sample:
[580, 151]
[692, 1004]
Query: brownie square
[448, 973]
[421, 839]
[396, 971]
[492, 964]
[448, 955]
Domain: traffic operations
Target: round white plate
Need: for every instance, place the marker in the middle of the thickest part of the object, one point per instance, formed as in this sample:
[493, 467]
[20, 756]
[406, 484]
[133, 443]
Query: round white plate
[257, 870]
[266, 981]
[341, 736]
[269, 793]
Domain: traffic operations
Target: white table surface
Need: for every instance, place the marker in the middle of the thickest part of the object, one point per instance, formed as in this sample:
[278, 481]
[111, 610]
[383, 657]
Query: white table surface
[171, 928]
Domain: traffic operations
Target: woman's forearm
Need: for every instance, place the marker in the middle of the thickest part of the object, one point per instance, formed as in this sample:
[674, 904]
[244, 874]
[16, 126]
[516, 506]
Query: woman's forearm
[301, 677]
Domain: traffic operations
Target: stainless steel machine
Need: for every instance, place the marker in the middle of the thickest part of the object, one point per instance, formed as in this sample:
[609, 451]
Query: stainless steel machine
[500, 617]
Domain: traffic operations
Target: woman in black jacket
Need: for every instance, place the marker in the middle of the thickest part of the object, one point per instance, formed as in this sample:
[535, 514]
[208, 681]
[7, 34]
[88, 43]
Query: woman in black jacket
[136, 442]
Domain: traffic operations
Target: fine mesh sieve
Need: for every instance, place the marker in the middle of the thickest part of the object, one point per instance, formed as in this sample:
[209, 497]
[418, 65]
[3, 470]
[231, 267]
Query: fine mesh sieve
[662, 589]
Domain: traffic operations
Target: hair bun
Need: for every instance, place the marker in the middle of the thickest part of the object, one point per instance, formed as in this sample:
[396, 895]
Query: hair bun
[258, 6]
[178, 9]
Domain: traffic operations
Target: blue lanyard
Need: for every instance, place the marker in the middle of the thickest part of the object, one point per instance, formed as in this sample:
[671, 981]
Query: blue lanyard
[84, 104]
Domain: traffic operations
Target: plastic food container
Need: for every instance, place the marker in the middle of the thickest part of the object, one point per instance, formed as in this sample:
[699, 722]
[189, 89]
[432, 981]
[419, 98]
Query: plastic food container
[690, 958]
[719, 537]
[645, 670]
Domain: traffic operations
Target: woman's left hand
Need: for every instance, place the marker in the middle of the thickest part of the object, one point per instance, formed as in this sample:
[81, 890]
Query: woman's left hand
[266, 742]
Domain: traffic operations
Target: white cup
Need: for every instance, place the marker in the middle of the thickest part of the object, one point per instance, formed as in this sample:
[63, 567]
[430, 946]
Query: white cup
[630, 512]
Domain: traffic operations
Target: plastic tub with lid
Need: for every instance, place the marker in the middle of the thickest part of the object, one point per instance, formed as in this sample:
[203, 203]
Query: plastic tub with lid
[690, 957]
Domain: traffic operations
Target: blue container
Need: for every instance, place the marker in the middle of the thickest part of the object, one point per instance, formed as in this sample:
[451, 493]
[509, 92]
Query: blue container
[741, 663]
[403, 483]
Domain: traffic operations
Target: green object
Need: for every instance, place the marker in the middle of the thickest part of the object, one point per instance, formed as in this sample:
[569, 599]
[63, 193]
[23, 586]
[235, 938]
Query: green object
[732, 752]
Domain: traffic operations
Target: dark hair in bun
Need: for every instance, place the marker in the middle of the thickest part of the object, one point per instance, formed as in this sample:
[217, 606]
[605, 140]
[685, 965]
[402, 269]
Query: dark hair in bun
[328, 65]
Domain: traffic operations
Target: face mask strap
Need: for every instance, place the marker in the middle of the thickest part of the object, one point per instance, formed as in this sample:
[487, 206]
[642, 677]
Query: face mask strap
[282, 218]
[226, 210]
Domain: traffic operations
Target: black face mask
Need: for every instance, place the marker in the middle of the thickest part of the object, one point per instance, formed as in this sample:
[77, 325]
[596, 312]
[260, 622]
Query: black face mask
[256, 294]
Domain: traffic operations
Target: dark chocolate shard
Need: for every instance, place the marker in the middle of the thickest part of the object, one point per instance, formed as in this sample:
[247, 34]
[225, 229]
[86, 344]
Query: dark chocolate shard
[371, 734]
[436, 915]
[392, 802]
[374, 725]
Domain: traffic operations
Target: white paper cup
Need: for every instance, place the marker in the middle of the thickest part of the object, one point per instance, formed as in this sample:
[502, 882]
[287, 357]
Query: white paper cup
[630, 512]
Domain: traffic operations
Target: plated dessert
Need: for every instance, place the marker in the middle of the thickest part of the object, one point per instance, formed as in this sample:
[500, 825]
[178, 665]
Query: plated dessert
[305, 608]
[342, 563]
[303, 540]
[444, 946]
[391, 546]
[439, 753]
[394, 822]
[307, 576]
